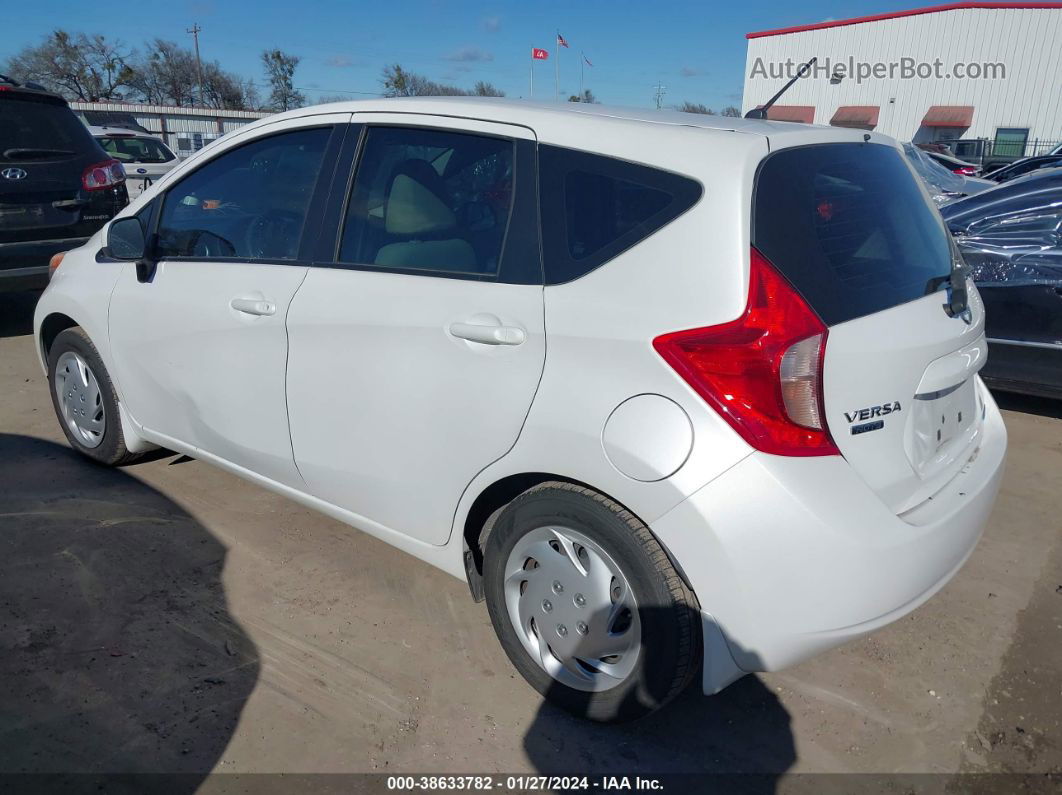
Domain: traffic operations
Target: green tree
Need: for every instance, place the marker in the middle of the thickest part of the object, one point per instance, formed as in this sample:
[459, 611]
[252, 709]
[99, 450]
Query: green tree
[280, 72]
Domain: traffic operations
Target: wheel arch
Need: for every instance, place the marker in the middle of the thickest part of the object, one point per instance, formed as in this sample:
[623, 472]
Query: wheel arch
[53, 324]
[491, 500]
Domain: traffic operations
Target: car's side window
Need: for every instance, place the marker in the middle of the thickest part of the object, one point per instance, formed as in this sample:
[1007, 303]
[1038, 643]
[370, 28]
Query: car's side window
[596, 207]
[430, 200]
[249, 203]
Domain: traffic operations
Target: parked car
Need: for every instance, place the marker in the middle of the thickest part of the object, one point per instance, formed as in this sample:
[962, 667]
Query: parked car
[1011, 238]
[954, 165]
[57, 187]
[656, 387]
[1025, 166]
[943, 185]
[144, 157]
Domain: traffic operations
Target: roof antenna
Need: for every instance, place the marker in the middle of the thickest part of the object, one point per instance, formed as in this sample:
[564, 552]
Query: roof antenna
[761, 112]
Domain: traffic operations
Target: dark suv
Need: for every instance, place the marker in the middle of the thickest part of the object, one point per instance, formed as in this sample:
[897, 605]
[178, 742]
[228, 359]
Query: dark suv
[57, 186]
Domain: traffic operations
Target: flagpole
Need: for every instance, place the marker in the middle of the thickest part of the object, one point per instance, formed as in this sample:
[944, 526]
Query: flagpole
[581, 65]
[557, 62]
[532, 94]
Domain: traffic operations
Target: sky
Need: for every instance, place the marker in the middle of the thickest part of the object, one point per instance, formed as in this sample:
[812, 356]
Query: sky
[696, 50]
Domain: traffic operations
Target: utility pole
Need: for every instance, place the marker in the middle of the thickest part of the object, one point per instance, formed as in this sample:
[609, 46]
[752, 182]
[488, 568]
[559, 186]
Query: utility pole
[194, 30]
[659, 95]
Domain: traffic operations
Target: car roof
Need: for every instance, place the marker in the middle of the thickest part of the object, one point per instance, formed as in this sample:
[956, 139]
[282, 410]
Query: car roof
[122, 132]
[550, 115]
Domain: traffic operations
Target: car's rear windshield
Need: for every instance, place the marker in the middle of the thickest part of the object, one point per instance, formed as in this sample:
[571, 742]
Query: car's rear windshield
[129, 149]
[849, 227]
[30, 128]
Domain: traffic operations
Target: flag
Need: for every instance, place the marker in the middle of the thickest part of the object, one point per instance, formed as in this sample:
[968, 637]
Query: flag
[539, 55]
[587, 61]
[560, 40]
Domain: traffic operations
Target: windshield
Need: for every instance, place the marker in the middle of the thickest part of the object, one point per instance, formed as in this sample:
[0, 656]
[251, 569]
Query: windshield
[39, 126]
[939, 179]
[128, 149]
[849, 227]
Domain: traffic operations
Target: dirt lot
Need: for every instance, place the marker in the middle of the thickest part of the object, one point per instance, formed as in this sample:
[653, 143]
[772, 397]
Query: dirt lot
[169, 616]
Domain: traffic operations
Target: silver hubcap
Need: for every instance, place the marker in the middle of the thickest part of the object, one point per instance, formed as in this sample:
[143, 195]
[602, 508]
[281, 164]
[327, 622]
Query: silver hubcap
[572, 608]
[80, 399]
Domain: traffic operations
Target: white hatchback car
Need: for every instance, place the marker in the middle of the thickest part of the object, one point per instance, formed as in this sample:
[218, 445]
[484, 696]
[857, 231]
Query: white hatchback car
[659, 387]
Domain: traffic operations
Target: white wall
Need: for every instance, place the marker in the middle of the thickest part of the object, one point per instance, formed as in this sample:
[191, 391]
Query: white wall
[1027, 41]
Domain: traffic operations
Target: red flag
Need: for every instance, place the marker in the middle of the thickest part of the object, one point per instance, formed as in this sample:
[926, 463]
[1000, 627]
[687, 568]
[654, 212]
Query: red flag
[560, 41]
[539, 55]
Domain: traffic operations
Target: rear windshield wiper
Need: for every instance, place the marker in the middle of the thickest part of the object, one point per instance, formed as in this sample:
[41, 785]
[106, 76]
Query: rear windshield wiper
[33, 152]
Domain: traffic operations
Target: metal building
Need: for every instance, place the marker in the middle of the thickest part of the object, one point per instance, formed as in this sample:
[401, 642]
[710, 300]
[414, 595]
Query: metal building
[184, 130]
[966, 71]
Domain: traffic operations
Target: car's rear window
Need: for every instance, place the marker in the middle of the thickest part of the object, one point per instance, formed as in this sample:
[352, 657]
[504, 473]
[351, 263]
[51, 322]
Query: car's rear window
[27, 124]
[849, 227]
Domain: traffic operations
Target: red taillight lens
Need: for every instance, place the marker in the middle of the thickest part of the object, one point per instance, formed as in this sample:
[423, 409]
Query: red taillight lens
[966, 171]
[763, 371]
[103, 175]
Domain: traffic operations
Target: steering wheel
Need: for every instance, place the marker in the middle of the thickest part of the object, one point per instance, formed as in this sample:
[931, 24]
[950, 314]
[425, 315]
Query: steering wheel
[274, 235]
[203, 243]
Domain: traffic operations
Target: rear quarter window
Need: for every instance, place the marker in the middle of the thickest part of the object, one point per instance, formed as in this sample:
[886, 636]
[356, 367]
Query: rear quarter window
[594, 208]
[849, 227]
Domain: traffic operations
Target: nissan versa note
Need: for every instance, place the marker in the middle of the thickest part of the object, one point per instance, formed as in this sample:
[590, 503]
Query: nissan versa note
[677, 395]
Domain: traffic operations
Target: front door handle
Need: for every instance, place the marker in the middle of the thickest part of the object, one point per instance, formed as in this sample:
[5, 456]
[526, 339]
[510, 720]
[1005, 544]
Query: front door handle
[489, 334]
[253, 306]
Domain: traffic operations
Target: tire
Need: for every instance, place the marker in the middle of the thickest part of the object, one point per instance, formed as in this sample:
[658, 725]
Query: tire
[635, 643]
[86, 389]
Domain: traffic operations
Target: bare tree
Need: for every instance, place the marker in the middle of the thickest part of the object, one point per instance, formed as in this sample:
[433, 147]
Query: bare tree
[696, 107]
[587, 96]
[79, 67]
[484, 89]
[730, 110]
[280, 71]
[326, 98]
[397, 82]
[167, 76]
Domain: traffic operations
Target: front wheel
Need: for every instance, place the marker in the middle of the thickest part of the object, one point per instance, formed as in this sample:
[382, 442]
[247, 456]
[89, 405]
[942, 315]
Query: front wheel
[588, 606]
[84, 399]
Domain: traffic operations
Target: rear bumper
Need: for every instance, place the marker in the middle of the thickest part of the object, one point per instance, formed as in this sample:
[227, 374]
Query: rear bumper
[24, 265]
[789, 557]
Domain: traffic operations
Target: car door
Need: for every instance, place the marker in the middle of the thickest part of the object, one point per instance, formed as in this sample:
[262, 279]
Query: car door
[200, 346]
[416, 344]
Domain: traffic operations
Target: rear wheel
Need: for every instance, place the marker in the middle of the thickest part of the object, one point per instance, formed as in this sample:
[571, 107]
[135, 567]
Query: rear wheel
[588, 606]
[84, 399]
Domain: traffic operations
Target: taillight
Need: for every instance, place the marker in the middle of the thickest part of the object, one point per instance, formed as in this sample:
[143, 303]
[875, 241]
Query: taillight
[103, 175]
[763, 371]
[966, 171]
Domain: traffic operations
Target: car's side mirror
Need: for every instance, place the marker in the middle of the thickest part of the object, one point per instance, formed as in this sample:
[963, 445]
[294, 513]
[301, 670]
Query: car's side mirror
[126, 241]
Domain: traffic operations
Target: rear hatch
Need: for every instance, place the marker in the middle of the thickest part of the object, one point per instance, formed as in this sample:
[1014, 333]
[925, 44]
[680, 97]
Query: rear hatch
[856, 235]
[44, 151]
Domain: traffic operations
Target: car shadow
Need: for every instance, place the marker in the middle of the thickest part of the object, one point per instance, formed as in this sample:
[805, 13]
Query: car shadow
[16, 312]
[740, 739]
[119, 655]
[1028, 404]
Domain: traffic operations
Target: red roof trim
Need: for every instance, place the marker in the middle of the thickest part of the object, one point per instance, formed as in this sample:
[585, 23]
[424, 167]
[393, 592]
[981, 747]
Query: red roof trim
[949, 116]
[859, 116]
[896, 14]
[802, 114]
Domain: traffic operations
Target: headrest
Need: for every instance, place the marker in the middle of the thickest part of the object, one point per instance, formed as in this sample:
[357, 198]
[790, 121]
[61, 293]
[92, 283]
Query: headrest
[416, 203]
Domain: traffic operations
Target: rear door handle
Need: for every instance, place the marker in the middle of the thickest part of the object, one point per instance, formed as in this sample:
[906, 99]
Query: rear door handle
[489, 334]
[253, 306]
